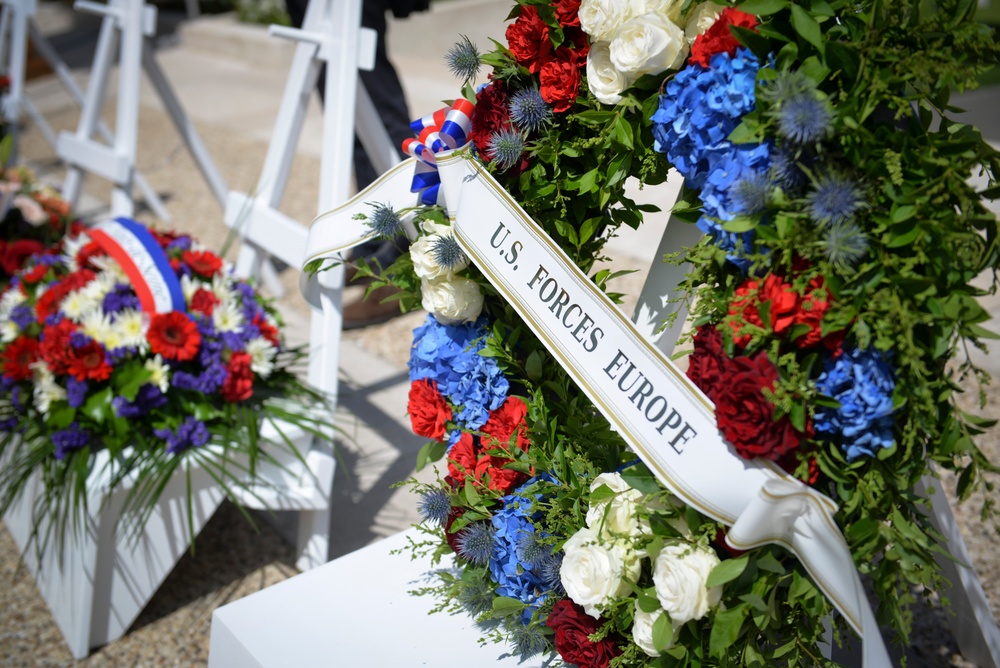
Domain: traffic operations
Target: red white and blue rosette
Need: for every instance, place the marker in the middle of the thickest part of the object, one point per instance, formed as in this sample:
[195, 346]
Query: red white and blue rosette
[444, 130]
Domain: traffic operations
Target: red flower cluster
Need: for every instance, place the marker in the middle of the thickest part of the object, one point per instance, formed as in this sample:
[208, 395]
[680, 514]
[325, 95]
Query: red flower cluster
[19, 356]
[88, 362]
[786, 309]
[573, 628]
[54, 346]
[736, 386]
[204, 301]
[174, 336]
[485, 458]
[13, 254]
[203, 263]
[492, 114]
[719, 38]
[48, 303]
[238, 385]
[429, 412]
[558, 68]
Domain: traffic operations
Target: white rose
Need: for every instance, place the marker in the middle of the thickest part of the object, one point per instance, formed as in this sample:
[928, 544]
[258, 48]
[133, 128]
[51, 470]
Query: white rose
[452, 299]
[604, 79]
[601, 18]
[431, 227]
[647, 44]
[424, 263]
[642, 630]
[701, 19]
[594, 573]
[669, 8]
[679, 575]
[617, 515]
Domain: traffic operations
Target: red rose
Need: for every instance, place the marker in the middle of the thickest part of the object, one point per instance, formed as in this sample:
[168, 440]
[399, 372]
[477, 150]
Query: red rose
[572, 627]
[559, 79]
[88, 362]
[204, 301]
[238, 385]
[706, 366]
[744, 414]
[491, 115]
[719, 37]
[528, 39]
[503, 422]
[19, 356]
[567, 12]
[428, 410]
[174, 335]
[203, 263]
[462, 459]
[16, 253]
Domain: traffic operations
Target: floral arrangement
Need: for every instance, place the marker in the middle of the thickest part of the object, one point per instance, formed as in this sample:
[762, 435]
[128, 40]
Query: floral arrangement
[830, 296]
[32, 217]
[88, 373]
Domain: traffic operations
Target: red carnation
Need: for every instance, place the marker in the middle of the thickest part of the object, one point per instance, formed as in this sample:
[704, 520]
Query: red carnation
[567, 12]
[503, 422]
[88, 362]
[528, 39]
[89, 251]
[48, 303]
[706, 366]
[203, 263]
[36, 274]
[462, 459]
[719, 37]
[19, 356]
[744, 414]
[490, 471]
[573, 628]
[14, 254]
[54, 346]
[428, 410]
[174, 335]
[491, 115]
[204, 301]
[267, 330]
[559, 79]
[783, 306]
[238, 385]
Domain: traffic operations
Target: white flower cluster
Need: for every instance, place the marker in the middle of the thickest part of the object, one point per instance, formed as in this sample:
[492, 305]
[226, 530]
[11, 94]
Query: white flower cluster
[631, 38]
[453, 299]
[602, 558]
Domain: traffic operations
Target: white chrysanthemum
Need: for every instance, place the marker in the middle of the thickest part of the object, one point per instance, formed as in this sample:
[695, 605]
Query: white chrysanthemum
[262, 354]
[9, 331]
[46, 390]
[227, 316]
[189, 286]
[97, 325]
[160, 371]
[108, 264]
[77, 305]
[99, 288]
[131, 327]
[222, 287]
[11, 299]
[72, 246]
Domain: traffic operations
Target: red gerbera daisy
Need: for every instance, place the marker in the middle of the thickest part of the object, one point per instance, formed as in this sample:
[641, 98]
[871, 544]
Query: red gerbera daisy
[203, 263]
[173, 335]
[19, 356]
[89, 362]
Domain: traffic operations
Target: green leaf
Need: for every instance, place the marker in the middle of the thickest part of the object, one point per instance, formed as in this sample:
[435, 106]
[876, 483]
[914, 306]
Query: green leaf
[533, 366]
[505, 606]
[763, 7]
[726, 629]
[726, 571]
[740, 224]
[471, 495]
[646, 598]
[904, 212]
[98, 406]
[753, 41]
[430, 452]
[806, 26]
[663, 633]
[61, 417]
[842, 57]
[641, 478]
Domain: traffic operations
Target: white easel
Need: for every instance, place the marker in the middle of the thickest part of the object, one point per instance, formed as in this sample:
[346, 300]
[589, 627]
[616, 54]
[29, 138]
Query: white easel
[972, 623]
[133, 21]
[17, 21]
[331, 34]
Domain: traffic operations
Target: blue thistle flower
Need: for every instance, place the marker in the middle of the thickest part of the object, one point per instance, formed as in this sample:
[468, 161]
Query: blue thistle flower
[529, 550]
[528, 110]
[505, 148]
[844, 244]
[527, 639]
[434, 506]
[805, 119]
[447, 253]
[750, 194]
[548, 571]
[786, 170]
[384, 221]
[463, 59]
[785, 86]
[475, 595]
[475, 543]
[834, 199]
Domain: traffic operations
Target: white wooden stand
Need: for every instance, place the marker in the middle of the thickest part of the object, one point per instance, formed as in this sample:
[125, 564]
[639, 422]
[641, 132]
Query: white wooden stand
[17, 21]
[133, 22]
[972, 623]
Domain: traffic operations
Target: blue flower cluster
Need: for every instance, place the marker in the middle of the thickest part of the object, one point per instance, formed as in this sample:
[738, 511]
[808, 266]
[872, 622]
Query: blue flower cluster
[697, 112]
[449, 355]
[520, 565]
[863, 382]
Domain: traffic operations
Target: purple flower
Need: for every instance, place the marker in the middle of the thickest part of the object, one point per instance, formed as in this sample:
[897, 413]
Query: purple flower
[120, 299]
[22, 315]
[76, 391]
[191, 433]
[71, 438]
[146, 399]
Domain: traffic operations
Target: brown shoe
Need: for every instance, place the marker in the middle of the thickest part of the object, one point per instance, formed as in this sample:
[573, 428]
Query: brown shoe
[373, 310]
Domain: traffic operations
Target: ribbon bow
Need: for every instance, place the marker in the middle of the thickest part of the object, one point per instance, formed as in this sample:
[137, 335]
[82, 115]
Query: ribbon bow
[444, 130]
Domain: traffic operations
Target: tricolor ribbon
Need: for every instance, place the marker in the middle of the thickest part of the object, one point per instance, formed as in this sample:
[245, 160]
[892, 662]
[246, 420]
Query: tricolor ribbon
[143, 261]
[444, 130]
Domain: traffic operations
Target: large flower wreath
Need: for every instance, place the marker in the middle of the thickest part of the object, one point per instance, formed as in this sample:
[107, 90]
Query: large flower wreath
[830, 296]
[96, 390]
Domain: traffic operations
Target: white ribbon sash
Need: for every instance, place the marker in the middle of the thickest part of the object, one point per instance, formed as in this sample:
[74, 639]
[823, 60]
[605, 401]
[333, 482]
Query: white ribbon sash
[666, 420]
